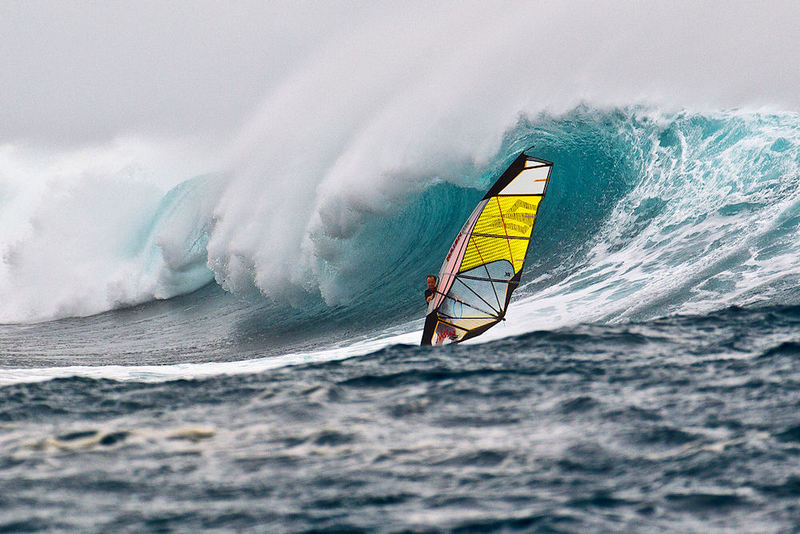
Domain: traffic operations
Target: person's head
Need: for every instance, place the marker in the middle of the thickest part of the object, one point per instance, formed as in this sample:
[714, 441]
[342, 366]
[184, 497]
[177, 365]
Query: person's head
[431, 279]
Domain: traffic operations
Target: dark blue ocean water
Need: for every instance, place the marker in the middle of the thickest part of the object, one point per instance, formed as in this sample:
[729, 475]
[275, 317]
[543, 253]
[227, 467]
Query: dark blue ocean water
[646, 378]
[683, 424]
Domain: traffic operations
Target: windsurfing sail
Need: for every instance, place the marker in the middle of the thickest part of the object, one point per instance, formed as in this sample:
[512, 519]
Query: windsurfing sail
[485, 262]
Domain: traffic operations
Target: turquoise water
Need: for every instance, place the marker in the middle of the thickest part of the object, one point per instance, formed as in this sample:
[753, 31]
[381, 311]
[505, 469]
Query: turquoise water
[645, 378]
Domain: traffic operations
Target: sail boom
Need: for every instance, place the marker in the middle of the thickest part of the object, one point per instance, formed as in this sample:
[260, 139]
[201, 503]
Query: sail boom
[484, 279]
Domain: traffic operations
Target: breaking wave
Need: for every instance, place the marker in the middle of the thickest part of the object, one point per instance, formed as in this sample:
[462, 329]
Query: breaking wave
[648, 213]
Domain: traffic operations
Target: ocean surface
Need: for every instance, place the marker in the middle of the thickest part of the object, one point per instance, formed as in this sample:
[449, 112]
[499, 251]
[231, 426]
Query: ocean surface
[222, 358]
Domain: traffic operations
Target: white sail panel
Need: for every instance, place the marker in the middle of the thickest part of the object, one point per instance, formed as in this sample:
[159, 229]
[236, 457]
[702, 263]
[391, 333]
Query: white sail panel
[529, 182]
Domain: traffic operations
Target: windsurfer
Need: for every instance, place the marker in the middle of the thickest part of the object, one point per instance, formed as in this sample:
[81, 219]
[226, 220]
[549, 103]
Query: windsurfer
[431, 291]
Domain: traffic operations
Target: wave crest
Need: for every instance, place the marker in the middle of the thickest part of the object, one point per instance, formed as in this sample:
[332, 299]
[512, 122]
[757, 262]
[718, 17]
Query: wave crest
[648, 213]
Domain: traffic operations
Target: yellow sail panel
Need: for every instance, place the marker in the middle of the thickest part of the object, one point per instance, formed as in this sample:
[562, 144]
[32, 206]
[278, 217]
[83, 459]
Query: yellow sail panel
[502, 232]
[483, 250]
[519, 214]
[511, 216]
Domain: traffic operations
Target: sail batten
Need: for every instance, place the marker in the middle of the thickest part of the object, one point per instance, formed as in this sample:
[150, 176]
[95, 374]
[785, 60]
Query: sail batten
[485, 262]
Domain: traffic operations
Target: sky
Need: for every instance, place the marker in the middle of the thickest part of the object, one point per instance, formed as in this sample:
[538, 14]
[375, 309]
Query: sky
[81, 73]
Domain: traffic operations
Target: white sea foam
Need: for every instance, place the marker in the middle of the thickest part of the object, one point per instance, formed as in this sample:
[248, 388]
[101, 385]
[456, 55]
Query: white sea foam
[82, 231]
[187, 371]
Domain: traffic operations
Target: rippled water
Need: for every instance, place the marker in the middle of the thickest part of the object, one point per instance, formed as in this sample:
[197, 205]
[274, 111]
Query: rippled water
[685, 424]
[646, 377]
